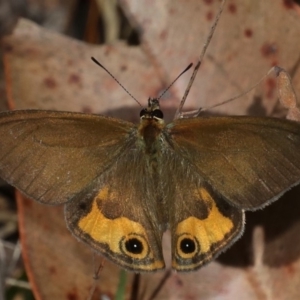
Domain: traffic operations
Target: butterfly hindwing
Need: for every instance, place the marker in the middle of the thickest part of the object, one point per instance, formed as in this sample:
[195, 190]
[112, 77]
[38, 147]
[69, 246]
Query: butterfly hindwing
[202, 224]
[206, 226]
[120, 218]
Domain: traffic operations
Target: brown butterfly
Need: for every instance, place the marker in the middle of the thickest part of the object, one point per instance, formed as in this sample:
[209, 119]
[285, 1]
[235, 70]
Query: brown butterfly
[123, 184]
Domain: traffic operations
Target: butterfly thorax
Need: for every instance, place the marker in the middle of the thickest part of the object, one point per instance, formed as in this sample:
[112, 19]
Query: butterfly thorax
[150, 128]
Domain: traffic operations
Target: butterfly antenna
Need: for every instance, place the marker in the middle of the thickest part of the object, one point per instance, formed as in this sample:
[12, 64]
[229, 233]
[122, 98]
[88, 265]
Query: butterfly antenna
[117, 81]
[210, 35]
[186, 69]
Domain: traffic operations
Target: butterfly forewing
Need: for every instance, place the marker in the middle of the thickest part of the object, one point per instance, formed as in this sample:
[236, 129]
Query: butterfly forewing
[248, 161]
[52, 156]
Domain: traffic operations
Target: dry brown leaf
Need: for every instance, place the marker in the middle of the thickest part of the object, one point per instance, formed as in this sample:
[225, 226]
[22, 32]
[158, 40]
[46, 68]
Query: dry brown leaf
[58, 266]
[251, 37]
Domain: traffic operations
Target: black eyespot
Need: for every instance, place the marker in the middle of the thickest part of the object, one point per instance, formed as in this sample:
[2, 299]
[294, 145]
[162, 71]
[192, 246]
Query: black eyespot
[143, 112]
[134, 246]
[157, 113]
[187, 245]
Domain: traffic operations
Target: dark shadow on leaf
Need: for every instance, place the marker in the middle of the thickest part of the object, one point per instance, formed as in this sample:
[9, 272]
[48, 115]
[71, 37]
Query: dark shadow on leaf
[281, 226]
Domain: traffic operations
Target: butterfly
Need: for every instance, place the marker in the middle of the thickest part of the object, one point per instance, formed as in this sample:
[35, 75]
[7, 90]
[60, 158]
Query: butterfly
[123, 184]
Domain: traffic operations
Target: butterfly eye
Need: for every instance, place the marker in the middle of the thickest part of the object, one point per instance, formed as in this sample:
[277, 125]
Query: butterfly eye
[135, 246]
[143, 112]
[187, 246]
[158, 114]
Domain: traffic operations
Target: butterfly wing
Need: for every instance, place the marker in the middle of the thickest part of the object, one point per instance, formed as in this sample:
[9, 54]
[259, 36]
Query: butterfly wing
[121, 218]
[202, 223]
[80, 160]
[248, 161]
[52, 156]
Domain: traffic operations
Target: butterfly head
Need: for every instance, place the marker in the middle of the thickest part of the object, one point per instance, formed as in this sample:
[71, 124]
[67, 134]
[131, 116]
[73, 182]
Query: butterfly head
[152, 112]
